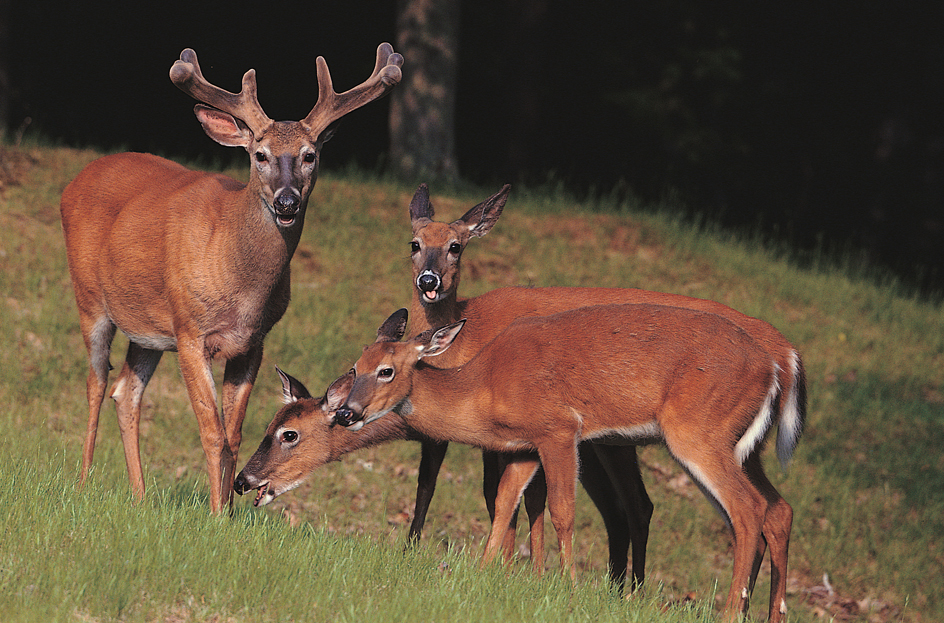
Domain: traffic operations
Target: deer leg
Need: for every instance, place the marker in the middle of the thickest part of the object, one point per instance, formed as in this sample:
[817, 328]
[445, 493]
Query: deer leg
[720, 478]
[238, 379]
[127, 392]
[776, 531]
[559, 460]
[599, 486]
[535, 501]
[432, 455]
[517, 472]
[493, 469]
[622, 466]
[198, 377]
[98, 336]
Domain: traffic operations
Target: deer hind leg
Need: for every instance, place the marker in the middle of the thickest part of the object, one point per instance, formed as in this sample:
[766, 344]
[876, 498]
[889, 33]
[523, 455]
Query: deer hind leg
[127, 392]
[621, 467]
[238, 380]
[724, 482]
[432, 455]
[777, 526]
[515, 472]
[98, 336]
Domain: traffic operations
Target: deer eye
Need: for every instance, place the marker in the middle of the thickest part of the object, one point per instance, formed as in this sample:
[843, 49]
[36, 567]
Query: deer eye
[455, 248]
[414, 247]
[289, 436]
[309, 157]
[385, 374]
[260, 156]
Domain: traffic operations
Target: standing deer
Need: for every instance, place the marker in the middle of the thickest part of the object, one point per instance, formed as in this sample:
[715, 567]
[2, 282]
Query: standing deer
[638, 373]
[197, 262]
[436, 253]
[616, 489]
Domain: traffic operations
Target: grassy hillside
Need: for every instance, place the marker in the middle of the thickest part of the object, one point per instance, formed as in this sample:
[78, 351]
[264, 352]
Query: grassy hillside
[866, 483]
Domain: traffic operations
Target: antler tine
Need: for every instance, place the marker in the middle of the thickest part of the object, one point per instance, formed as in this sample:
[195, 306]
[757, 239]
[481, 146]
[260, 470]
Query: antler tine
[332, 106]
[186, 74]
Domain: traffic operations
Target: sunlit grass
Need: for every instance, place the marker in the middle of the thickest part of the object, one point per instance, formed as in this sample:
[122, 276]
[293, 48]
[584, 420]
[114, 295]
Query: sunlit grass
[866, 482]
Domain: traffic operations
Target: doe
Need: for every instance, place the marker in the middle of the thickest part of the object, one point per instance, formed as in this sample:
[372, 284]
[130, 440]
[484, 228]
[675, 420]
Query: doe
[638, 373]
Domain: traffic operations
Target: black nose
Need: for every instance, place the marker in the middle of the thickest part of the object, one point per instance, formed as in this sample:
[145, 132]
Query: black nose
[287, 203]
[428, 282]
[241, 485]
[345, 416]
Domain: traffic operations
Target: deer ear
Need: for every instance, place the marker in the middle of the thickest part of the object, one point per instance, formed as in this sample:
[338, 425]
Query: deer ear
[483, 217]
[292, 389]
[338, 392]
[420, 206]
[442, 339]
[223, 127]
[393, 327]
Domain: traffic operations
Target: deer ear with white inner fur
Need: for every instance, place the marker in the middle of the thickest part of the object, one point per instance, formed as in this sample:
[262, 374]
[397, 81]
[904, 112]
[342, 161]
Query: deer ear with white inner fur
[441, 339]
[292, 389]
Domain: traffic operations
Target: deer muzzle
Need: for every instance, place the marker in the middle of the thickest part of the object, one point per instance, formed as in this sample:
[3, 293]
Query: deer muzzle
[428, 283]
[346, 416]
[286, 206]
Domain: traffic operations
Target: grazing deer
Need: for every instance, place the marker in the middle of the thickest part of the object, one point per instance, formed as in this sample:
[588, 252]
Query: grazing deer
[617, 491]
[197, 262]
[637, 373]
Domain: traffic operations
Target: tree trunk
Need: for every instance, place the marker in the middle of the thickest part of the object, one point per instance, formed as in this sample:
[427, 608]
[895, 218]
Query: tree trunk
[5, 91]
[422, 111]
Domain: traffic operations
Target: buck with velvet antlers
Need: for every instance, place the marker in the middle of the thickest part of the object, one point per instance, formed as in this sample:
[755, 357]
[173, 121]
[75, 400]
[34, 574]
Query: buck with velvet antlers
[198, 262]
[631, 373]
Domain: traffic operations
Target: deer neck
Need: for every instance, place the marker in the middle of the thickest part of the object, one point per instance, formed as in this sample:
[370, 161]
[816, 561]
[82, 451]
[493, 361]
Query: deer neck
[343, 440]
[262, 247]
[426, 316]
[443, 399]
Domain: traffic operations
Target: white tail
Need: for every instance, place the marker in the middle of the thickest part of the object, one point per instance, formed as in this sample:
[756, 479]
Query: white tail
[640, 373]
[197, 262]
[436, 254]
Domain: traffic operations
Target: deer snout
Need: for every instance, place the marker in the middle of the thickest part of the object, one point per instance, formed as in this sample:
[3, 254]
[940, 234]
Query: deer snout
[241, 484]
[287, 203]
[428, 283]
[346, 416]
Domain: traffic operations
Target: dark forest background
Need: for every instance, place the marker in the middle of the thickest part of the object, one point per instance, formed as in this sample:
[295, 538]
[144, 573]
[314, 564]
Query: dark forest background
[818, 123]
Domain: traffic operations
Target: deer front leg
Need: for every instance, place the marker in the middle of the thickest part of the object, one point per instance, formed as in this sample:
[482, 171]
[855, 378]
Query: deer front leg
[493, 468]
[198, 377]
[621, 465]
[238, 380]
[516, 471]
[127, 392]
[535, 502]
[601, 488]
[432, 455]
[559, 459]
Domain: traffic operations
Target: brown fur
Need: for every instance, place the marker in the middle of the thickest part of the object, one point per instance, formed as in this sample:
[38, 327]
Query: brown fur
[196, 262]
[691, 379]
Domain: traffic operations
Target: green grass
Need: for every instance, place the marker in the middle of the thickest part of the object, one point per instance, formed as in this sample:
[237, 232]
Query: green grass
[866, 484]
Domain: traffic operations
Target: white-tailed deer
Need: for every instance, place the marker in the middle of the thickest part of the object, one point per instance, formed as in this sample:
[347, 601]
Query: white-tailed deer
[637, 373]
[197, 262]
[618, 492]
[436, 253]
